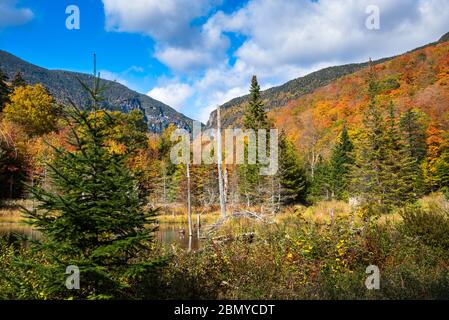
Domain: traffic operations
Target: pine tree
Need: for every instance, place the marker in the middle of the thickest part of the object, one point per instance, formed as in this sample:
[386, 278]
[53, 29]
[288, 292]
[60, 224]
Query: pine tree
[18, 81]
[251, 182]
[94, 215]
[399, 175]
[383, 173]
[370, 159]
[293, 184]
[340, 165]
[320, 187]
[415, 137]
[5, 91]
[441, 174]
[440, 167]
[255, 116]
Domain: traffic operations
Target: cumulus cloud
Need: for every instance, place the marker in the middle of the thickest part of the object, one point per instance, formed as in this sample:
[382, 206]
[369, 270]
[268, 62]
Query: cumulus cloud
[166, 20]
[12, 15]
[282, 39]
[181, 45]
[173, 94]
[302, 32]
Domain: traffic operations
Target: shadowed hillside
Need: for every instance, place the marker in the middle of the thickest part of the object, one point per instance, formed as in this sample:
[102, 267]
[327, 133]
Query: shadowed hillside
[63, 85]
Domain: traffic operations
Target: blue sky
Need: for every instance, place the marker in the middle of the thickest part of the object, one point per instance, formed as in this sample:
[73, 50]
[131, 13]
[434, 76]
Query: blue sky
[194, 55]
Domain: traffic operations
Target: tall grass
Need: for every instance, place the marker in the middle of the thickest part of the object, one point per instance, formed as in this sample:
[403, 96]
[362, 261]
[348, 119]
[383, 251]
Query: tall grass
[10, 211]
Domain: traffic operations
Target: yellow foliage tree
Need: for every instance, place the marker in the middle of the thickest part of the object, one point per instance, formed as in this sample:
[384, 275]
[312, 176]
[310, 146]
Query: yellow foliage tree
[32, 108]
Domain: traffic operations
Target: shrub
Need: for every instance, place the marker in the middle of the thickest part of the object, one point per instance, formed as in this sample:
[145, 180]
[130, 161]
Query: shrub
[430, 226]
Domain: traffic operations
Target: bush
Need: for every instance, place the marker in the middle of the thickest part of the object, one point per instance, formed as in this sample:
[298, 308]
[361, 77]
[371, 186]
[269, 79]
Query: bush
[430, 226]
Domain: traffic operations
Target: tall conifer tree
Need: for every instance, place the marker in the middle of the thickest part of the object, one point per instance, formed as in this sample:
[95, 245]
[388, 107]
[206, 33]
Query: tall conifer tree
[250, 184]
[340, 166]
[94, 216]
[293, 183]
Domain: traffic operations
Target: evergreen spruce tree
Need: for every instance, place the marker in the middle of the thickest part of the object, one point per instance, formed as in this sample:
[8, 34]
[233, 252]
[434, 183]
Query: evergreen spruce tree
[414, 133]
[399, 178]
[441, 168]
[320, 187]
[369, 163]
[340, 165]
[293, 184]
[4, 90]
[255, 116]
[94, 216]
[251, 182]
[442, 172]
[383, 172]
[18, 81]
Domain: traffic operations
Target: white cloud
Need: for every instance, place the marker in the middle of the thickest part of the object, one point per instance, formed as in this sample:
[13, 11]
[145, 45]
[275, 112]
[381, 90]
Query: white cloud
[11, 15]
[173, 94]
[302, 32]
[112, 76]
[180, 45]
[166, 20]
[282, 40]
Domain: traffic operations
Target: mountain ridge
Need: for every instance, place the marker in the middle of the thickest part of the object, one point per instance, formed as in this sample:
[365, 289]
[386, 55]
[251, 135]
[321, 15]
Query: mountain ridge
[279, 96]
[417, 80]
[64, 85]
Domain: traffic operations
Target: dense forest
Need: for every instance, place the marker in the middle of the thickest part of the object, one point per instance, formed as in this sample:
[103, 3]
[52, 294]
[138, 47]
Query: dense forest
[363, 179]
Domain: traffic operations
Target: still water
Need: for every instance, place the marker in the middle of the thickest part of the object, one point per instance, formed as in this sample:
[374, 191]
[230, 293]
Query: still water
[167, 234]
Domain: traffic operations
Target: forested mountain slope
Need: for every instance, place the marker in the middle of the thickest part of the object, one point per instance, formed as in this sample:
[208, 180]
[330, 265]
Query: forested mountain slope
[277, 97]
[417, 80]
[64, 85]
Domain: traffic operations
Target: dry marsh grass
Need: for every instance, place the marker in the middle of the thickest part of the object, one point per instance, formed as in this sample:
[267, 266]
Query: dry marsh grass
[10, 211]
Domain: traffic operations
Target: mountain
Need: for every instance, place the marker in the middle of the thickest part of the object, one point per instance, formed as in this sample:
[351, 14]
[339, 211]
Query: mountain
[417, 80]
[276, 97]
[64, 85]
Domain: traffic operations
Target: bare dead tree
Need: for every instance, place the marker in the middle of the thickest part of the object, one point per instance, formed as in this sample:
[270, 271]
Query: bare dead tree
[219, 165]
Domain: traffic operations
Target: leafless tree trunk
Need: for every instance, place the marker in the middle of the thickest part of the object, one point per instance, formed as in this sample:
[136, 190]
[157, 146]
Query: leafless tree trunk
[219, 165]
[198, 225]
[189, 203]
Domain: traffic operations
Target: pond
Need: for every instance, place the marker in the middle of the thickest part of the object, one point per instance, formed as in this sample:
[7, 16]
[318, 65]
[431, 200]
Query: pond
[167, 234]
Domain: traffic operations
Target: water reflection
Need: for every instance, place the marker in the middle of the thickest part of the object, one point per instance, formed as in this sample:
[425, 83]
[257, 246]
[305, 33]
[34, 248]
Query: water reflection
[167, 234]
[7, 229]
